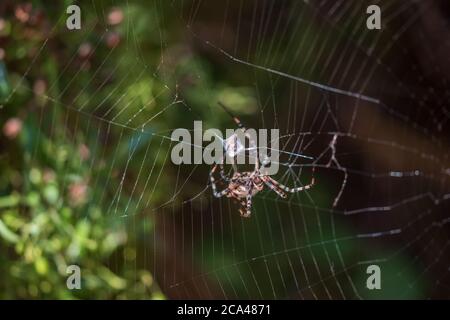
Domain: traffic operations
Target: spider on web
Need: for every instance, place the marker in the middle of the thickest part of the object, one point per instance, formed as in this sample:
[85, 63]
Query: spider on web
[242, 186]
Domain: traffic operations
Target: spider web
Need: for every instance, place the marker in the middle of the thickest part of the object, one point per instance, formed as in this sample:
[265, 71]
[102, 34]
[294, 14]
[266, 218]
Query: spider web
[368, 108]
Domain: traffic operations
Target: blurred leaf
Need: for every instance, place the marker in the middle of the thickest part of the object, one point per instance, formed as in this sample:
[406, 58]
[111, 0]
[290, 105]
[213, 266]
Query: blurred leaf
[9, 201]
[7, 234]
[41, 265]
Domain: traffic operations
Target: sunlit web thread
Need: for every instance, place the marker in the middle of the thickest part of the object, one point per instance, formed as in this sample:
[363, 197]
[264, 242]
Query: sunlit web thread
[292, 77]
[323, 86]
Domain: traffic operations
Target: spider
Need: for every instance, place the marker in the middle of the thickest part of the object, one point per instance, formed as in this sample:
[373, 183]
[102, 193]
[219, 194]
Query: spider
[242, 186]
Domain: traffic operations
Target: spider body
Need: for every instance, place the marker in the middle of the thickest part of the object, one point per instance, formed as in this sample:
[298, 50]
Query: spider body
[242, 186]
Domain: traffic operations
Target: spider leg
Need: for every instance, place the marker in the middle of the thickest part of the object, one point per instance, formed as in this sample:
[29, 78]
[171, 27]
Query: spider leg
[273, 186]
[246, 207]
[293, 190]
[222, 173]
[248, 203]
[216, 193]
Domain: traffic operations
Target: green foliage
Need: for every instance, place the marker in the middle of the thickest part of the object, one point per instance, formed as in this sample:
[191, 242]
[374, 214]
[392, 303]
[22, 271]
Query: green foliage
[53, 223]
[50, 213]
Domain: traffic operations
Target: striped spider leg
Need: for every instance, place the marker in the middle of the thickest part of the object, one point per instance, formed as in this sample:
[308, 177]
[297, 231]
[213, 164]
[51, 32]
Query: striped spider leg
[279, 188]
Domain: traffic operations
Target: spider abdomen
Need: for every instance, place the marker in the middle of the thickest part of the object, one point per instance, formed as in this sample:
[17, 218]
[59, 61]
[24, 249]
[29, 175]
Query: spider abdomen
[244, 184]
